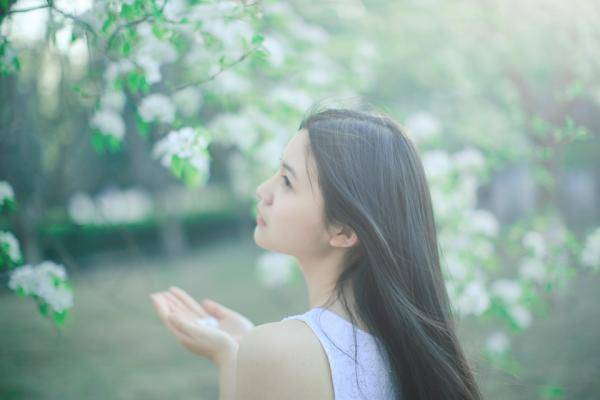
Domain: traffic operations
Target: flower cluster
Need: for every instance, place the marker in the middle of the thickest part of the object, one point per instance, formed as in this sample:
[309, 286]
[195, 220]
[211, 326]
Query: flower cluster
[46, 282]
[9, 246]
[185, 144]
[7, 195]
[590, 255]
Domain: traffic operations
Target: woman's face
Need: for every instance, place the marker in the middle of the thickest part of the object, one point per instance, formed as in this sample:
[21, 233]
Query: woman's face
[292, 212]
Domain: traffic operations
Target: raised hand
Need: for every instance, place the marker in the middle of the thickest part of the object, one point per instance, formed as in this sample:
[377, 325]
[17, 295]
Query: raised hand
[226, 320]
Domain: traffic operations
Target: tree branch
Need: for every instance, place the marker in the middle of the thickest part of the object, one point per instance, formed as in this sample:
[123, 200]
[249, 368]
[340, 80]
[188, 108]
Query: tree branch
[213, 76]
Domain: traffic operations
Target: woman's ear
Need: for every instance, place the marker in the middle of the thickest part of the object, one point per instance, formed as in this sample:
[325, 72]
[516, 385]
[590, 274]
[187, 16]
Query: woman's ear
[343, 236]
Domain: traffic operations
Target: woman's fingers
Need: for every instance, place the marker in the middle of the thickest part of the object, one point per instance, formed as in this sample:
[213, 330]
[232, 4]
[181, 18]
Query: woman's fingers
[166, 313]
[178, 304]
[188, 301]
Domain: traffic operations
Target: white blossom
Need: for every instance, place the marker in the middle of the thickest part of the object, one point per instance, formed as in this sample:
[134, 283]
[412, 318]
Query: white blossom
[423, 126]
[113, 99]
[157, 107]
[276, 49]
[497, 343]
[175, 9]
[485, 222]
[153, 52]
[40, 281]
[116, 68]
[590, 255]
[535, 241]
[187, 144]
[51, 268]
[473, 300]
[437, 164]
[9, 242]
[469, 159]
[274, 269]
[507, 290]
[533, 269]
[82, 209]
[23, 277]
[521, 315]
[6, 192]
[109, 122]
[456, 267]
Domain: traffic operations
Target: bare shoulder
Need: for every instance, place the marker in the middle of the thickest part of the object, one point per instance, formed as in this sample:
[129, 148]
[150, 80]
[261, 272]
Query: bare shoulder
[282, 360]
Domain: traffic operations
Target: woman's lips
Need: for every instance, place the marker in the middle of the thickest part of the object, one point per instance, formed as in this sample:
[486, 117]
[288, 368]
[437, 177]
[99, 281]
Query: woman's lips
[260, 221]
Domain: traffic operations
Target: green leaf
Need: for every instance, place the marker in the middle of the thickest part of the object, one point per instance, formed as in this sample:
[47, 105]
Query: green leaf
[161, 32]
[539, 126]
[43, 307]
[551, 392]
[97, 141]
[108, 23]
[191, 176]
[125, 47]
[112, 143]
[177, 165]
[258, 38]
[129, 11]
[134, 81]
[59, 317]
[142, 126]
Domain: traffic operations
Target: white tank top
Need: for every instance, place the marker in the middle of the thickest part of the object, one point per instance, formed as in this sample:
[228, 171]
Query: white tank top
[374, 374]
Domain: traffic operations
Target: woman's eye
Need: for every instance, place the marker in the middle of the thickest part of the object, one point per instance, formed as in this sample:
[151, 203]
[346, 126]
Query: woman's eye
[286, 181]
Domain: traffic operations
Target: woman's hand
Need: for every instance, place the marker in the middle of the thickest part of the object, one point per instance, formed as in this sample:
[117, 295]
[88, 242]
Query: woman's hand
[180, 313]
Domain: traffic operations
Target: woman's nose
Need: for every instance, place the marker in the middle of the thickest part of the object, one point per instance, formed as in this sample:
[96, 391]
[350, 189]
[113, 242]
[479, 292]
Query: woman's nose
[262, 193]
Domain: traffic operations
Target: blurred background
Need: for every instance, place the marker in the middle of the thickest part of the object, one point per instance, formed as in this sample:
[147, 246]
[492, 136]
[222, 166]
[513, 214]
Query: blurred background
[133, 134]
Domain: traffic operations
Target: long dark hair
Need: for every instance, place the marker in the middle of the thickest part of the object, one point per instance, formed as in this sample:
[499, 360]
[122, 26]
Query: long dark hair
[372, 181]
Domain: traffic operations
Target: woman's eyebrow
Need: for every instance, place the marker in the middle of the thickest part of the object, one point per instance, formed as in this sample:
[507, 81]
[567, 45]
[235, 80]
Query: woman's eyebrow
[288, 167]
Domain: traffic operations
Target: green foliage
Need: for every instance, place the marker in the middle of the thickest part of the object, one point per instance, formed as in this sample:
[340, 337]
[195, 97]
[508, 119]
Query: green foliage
[105, 142]
[186, 172]
[9, 62]
[136, 82]
[143, 127]
[551, 392]
[8, 206]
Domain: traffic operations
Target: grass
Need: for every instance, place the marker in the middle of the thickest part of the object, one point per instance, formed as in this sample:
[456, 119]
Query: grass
[114, 347]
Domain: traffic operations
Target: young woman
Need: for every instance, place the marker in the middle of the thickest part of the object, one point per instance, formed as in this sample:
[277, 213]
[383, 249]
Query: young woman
[351, 203]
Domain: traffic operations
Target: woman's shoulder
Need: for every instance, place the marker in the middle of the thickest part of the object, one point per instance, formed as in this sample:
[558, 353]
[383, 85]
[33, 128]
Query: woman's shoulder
[291, 334]
[290, 354]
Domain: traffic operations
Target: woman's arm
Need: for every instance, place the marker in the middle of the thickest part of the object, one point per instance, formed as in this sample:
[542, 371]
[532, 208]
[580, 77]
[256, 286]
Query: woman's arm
[227, 366]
